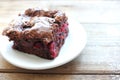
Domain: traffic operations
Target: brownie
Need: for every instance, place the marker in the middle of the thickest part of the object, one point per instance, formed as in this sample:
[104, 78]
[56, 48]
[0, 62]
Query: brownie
[39, 32]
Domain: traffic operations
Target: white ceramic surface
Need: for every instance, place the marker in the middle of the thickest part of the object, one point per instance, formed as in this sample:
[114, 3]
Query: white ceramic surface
[73, 46]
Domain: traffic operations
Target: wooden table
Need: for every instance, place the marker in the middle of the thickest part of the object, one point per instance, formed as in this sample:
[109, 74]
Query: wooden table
[100, 59]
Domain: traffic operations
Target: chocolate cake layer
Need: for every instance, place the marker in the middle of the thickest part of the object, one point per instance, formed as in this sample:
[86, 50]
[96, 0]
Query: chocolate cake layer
[39, 32]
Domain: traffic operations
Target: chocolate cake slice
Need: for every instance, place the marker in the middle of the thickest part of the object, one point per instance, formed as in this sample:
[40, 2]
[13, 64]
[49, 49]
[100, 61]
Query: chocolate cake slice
[39, 32]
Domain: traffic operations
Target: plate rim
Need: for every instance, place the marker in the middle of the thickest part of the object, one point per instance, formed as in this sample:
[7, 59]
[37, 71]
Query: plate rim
[52, 66]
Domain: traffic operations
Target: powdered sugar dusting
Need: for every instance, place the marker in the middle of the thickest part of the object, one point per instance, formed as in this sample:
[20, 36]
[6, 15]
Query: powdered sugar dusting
[42, 22]
[39, 8]
[37, 21]
[60, 13]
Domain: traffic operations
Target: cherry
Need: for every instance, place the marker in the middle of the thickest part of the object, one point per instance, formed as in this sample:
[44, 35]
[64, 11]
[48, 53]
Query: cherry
[38, 45]
[53, 50]
[64, 27]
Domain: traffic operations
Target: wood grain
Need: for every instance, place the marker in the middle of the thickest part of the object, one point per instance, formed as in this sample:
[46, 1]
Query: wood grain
[16, 76]
[100, 59]
[84, 11]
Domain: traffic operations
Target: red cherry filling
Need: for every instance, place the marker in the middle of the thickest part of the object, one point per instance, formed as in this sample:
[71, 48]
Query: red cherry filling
[65, 27]
[38, 45]
[63, 30]
[52, 47]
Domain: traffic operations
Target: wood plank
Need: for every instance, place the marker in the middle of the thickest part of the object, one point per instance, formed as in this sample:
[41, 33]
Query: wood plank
[16, 76]
[4, 76]
[78, 77]
[83, 11]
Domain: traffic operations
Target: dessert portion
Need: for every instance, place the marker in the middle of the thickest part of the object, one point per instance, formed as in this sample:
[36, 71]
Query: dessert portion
[39, 32]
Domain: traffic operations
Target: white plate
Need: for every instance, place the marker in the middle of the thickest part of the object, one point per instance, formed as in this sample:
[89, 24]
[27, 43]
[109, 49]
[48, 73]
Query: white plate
[74, 44]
